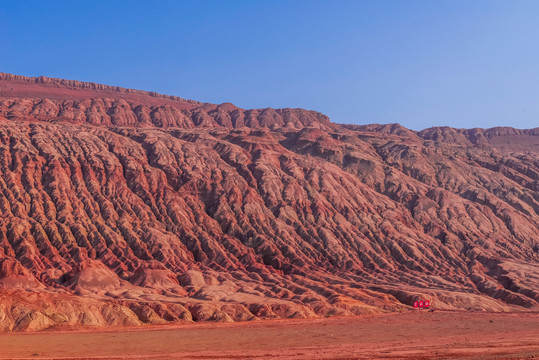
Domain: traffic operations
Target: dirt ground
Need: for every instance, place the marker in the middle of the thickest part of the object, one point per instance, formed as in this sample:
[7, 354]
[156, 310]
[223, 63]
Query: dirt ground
[410, 335]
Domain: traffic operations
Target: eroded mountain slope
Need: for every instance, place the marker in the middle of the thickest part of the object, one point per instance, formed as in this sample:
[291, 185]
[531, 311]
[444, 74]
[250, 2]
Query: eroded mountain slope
[124, 221]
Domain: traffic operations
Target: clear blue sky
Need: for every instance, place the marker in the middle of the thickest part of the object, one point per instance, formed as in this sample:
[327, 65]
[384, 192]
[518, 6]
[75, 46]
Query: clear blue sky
[461, 63]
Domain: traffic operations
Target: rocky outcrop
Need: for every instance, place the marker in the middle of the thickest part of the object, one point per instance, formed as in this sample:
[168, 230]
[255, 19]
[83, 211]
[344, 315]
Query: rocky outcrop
[57, 100]
[131, 212]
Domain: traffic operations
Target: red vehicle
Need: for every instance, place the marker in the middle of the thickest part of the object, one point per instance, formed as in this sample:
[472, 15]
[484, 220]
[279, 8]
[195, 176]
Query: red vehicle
[422, 304]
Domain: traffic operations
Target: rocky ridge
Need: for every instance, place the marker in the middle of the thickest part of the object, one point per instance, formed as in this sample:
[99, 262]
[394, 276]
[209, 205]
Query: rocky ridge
[121, 207]
[57, 100]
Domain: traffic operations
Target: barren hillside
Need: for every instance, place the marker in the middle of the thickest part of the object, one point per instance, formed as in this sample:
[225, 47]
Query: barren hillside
[121, 207]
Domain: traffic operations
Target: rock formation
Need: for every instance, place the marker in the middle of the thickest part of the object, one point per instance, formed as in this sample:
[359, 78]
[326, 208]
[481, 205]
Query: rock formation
[121, 207]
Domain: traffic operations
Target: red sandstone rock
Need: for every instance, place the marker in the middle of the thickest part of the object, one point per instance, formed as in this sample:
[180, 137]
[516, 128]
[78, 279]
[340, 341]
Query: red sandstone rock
[127, 207]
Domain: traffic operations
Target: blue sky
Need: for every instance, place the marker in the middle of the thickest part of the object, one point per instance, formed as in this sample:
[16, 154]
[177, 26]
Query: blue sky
[458, 63]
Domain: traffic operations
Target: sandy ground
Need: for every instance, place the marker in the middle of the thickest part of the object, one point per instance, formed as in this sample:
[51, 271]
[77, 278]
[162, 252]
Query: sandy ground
[411, 335]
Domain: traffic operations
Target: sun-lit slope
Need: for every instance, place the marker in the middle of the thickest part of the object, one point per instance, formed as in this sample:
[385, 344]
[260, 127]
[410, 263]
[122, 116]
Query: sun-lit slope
[132, 224]
[53, 100]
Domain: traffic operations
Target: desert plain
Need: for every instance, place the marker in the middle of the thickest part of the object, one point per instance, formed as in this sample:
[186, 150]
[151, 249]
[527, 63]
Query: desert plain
[406, 335]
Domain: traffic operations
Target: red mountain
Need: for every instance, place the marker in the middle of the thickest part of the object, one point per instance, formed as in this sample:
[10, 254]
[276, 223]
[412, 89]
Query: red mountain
[122, 207]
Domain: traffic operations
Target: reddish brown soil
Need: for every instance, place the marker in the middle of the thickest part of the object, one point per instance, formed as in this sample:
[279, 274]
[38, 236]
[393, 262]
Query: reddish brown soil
[410, 335]
[122, 208]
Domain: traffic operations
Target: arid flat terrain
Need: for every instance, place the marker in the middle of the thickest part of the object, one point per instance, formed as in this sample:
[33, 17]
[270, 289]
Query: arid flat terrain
[409, 335]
